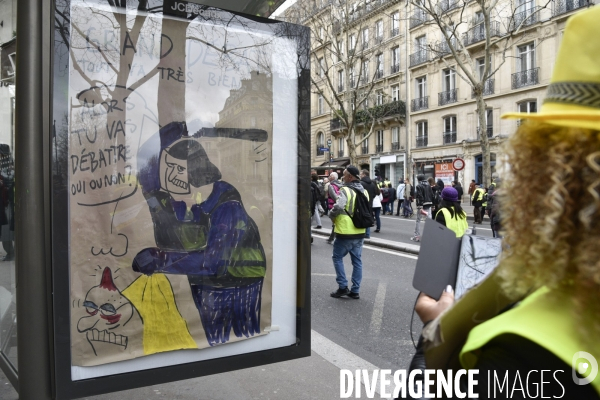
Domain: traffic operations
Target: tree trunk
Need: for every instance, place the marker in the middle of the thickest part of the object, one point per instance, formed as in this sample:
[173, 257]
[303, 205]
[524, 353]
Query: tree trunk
[483, 138]
[172, 77]
[351, 150]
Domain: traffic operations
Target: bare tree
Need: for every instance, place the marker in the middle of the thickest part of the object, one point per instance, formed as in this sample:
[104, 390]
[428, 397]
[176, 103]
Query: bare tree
[344, 69]
[496, 25]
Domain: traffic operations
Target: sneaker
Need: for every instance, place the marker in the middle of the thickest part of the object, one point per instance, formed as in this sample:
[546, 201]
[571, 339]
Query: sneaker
[319, 227]
[330, 242]
[416, 238]
[376, 230]
[340, 292]
[354, 296]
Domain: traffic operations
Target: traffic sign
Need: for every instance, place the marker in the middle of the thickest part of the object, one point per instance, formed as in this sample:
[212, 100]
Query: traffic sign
[458, 164]
[324, 149]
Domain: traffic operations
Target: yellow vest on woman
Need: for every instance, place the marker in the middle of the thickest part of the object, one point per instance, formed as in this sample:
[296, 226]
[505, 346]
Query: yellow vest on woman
[457, 225]
[545, 318]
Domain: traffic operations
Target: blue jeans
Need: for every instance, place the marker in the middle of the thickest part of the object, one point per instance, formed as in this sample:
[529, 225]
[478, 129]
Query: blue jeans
[377, 212]
[341, 247]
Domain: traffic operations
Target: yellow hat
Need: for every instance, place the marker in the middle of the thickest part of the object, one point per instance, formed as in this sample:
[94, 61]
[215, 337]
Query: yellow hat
[573, 96]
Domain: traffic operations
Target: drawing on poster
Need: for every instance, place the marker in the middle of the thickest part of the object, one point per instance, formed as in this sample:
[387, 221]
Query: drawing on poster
[108, 313]
[213, 242]
[170, 181]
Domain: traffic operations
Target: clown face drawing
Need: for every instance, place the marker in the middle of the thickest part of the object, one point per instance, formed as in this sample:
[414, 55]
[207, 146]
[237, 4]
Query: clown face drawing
[108, 313]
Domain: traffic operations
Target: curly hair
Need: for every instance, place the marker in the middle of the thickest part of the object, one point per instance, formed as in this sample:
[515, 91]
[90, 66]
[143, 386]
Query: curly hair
[550, 205]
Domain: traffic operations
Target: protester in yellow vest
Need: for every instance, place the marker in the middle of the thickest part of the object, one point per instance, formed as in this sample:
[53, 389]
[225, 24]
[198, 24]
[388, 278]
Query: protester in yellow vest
[477, 201]
[348, 238]
[550, 267]
[451, 214]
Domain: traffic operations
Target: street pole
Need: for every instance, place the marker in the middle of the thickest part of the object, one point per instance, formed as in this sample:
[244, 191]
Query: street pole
[32, 204]
[329, 157]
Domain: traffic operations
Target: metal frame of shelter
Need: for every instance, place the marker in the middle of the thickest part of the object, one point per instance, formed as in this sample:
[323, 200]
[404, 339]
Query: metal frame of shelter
[42, 224]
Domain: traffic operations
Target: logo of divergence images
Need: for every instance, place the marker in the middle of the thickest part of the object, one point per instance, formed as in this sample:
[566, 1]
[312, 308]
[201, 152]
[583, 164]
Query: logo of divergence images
[586, 365]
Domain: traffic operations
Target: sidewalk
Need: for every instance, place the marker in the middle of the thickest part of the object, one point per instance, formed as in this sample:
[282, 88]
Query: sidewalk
[387, 244]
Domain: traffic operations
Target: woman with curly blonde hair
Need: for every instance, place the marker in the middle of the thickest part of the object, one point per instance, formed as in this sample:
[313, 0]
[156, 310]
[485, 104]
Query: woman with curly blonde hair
[544, 311]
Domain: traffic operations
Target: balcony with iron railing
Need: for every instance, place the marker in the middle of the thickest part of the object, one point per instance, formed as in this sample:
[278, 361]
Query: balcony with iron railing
[419, 57]
[340, 153]
[448, 5]
[365, 44]
[395, 68]
[442, 48]
[364, 149]
[525, 78]
[528, 16]
[477, 33]
[378, 39]
[418, 18]
[488, 88]
[336, 124]
[449, 137]
[422, 103]
[394, 109]
[422, 141]
[395, 146]
[379, 74]
[394, 32]
[489, 130]
[378, 148]
[447, 97]
[565, 6]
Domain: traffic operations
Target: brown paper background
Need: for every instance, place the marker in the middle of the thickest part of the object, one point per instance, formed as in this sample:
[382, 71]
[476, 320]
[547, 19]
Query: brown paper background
[93, 228]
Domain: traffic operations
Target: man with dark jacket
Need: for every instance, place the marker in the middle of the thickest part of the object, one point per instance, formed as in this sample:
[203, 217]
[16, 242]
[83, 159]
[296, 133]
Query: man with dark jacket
[459, 189]
[371, 188]
[424, 202]
[392, 199]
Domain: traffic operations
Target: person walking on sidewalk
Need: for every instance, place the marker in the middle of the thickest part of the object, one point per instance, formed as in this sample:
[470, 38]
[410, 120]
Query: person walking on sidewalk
[385, 199]
[400, 197]
[392, 199]
[408, 199]
[371, 188]
[424, 203]
[333, 192]
[494, 208]
[316, 196]
[451, 214]
[349, 239]
[377, 206]
[456, 185]
[471, 190]
[477, 200]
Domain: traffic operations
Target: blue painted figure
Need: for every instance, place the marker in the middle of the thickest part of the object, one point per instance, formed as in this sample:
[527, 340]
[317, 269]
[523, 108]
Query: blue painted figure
[215, 243]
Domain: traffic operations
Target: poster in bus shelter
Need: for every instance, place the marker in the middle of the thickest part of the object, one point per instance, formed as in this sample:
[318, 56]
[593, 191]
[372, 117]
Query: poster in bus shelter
[170, 179]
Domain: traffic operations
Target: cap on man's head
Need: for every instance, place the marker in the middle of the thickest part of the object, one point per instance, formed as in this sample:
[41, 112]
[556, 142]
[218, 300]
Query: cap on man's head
[352, 170]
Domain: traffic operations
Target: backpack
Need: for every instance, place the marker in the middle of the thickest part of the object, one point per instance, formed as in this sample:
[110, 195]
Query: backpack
[321, 188]
[363, 213]
[385, 193]
[412, 191]
[313, 198]
[436, 197]
[331, 201]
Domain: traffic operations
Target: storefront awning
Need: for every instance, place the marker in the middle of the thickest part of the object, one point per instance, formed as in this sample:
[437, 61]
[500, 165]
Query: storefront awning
[334, 164]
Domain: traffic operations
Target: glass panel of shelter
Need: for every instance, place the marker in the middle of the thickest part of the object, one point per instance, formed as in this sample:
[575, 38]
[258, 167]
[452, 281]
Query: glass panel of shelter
[8, 295]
